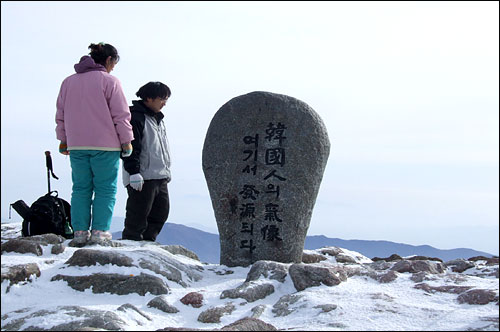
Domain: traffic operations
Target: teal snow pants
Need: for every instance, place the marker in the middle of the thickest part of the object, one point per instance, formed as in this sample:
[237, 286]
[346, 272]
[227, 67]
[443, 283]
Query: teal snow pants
[94, 174]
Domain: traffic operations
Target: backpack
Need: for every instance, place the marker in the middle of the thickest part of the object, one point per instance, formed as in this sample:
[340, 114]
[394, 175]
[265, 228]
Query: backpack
[48, 214]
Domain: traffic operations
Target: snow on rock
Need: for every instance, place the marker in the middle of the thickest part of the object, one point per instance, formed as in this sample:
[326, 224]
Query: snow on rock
[126, 285]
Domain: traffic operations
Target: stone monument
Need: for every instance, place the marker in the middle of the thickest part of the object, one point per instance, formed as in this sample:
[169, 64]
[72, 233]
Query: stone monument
[263, 158]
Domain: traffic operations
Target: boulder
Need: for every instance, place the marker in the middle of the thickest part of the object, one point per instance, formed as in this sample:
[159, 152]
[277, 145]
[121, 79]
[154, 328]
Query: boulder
[268, 269]
[214, 314]
[161, 303]
[249, 291]
[22, 246]
[309, 258]
[21, 272]
[180, 250]
[418, 266]
[263, 158]
[89, 257]
[309, 275]
[282, 307]
[194, 299]
[478, 296]
[80, 319]
[249, 324]
[116, 283]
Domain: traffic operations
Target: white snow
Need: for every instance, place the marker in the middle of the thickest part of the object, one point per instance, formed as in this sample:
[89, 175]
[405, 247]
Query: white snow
[362, 303]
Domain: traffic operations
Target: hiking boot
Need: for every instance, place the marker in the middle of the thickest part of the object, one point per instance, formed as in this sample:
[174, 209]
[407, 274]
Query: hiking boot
[81, 237]
[101, 235]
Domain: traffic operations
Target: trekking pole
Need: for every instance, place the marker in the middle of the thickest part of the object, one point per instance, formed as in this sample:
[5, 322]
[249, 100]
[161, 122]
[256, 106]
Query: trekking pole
[48, 163]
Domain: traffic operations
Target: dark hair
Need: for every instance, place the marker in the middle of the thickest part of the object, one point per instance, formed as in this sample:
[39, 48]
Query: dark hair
[100, 52]
[153, 90]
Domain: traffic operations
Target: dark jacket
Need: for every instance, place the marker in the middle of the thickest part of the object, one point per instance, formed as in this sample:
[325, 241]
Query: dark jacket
[150, 155]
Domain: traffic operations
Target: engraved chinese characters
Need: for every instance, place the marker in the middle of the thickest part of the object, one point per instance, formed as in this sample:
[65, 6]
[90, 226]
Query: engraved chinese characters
[263, 158]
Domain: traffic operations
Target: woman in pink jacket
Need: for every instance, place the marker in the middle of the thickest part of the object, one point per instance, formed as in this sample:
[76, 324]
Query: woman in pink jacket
[93, 125]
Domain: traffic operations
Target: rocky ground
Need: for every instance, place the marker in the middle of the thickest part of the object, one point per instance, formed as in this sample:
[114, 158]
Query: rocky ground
[48, 283]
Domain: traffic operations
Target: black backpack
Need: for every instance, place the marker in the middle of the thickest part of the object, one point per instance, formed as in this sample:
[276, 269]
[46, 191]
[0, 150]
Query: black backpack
[48, 214]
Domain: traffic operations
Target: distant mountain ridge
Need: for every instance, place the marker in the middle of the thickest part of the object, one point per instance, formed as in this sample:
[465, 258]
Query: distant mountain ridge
[206, 245]
[383, 249]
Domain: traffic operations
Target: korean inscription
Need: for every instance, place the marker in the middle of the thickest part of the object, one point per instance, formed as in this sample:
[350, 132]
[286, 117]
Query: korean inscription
[263, 158]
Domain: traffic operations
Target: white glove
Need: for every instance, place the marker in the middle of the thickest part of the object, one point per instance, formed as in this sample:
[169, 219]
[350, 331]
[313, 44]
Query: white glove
[136, 181]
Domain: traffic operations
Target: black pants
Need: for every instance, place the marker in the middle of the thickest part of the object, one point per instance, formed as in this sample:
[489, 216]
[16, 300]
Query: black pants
[147, 210]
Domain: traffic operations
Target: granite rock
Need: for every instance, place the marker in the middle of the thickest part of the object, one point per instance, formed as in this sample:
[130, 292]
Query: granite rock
[263, 158]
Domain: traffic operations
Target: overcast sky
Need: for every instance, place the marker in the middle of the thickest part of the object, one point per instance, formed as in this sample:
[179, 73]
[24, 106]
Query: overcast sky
[407, 90]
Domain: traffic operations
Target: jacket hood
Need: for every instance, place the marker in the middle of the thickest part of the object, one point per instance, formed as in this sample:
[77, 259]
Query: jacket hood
[139, 106]
[87, 64]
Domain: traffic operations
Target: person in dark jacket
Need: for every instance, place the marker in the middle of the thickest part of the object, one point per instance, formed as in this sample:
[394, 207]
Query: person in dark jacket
[146, 172]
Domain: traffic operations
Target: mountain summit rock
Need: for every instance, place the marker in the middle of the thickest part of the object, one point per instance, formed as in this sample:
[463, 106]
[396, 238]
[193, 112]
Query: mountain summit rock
[264, 156]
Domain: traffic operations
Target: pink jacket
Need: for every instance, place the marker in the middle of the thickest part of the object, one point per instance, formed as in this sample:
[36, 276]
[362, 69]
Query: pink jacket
[92, 111]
